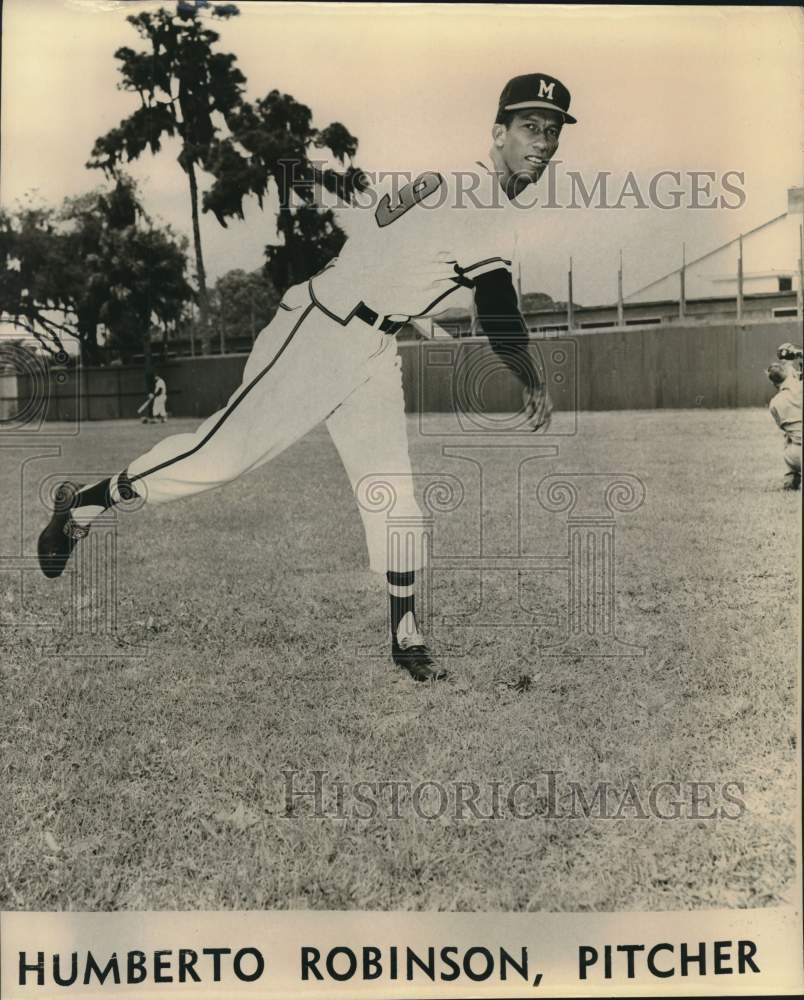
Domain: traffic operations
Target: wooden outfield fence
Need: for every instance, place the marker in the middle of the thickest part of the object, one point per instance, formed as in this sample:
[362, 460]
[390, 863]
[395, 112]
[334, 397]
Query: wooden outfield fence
[651, 367]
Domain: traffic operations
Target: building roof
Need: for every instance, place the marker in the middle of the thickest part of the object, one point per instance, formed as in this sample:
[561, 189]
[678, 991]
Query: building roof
[709, 253]
[561, 308]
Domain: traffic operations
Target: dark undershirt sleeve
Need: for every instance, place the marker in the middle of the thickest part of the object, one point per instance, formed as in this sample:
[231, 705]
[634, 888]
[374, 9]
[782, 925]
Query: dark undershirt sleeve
[501, 321]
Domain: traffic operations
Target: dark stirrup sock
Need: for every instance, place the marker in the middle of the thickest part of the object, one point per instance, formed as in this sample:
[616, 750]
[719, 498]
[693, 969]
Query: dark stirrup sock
[90, 501]
[401, 597]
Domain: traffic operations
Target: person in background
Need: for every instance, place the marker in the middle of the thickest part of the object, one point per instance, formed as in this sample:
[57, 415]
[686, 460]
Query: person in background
[159, 405]
[785, 408]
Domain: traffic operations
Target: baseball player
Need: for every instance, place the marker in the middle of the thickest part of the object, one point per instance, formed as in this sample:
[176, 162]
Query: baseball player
[329, 354]
[155, 406]
[159, 407]
[785, 408]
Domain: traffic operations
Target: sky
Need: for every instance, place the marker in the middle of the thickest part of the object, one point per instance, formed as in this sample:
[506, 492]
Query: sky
[654, 88]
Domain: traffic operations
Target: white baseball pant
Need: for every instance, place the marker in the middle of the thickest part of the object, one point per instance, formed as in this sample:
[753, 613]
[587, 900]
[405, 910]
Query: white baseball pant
[792, 458]
[304, 368]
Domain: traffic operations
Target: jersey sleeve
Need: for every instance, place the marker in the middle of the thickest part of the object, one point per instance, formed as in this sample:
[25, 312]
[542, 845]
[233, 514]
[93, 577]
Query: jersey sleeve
[774, 412]
[785, 407]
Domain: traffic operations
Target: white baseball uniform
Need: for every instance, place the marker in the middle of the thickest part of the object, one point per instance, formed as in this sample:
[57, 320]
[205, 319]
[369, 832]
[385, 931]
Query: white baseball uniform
[785, 408]
[159, 406]
[327, 354]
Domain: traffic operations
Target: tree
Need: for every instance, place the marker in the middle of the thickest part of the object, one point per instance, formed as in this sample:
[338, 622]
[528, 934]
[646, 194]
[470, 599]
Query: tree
[90, 226]
[143, 277]
[273, 141]
[97, 260]
[243, 303]
[182, 85]
[121, 271]
[32, 258]
[535, 300]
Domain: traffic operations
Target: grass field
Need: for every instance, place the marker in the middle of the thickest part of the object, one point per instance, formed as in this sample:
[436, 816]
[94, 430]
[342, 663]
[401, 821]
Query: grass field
[154, 781]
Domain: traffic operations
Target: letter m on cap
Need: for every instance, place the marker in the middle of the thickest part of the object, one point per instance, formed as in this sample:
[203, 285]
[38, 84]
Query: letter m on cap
[546, 89]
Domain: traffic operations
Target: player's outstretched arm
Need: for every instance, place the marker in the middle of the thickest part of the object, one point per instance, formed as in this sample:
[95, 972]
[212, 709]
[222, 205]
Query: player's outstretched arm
[501, 321]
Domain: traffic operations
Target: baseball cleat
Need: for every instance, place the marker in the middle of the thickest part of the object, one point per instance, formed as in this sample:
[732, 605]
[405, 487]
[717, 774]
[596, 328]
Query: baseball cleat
[62, 534]
[411, 654]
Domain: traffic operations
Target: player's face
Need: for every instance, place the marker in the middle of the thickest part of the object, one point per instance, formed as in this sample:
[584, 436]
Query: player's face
[528, 144]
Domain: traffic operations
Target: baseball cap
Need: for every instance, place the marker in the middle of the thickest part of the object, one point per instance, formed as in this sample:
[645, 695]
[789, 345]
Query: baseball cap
[536, 90]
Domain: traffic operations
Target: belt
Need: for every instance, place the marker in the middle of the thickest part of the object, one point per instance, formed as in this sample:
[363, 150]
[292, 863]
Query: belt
[371, 317]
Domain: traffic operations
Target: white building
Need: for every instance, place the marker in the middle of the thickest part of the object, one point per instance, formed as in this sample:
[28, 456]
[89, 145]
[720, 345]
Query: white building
[771, 262]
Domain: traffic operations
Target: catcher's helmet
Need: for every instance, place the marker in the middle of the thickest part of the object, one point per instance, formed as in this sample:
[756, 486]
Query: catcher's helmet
[789, 352]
